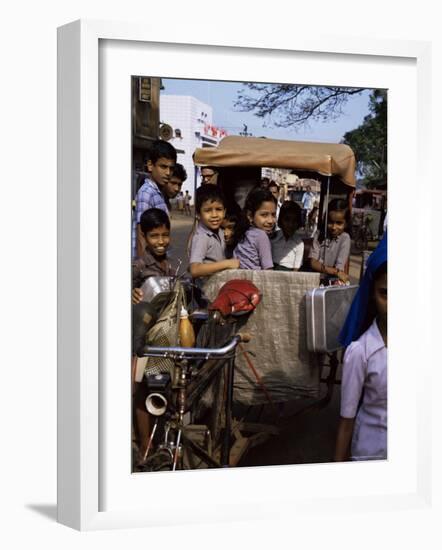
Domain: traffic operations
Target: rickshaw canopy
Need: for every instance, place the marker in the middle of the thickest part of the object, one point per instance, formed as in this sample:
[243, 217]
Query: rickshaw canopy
[327, 159]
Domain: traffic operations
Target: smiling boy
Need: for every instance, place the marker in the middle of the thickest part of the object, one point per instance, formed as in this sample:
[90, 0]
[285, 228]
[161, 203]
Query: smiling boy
[162, 159]
[207, 252]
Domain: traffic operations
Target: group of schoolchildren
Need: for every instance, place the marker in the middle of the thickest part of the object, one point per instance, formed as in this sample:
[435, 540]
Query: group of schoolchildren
[255, 238]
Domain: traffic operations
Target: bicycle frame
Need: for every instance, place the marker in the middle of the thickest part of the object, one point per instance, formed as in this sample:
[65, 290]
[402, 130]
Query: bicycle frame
[188, 388]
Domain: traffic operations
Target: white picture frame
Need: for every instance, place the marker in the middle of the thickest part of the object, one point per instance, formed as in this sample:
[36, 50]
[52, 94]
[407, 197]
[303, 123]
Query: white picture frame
[82, 295]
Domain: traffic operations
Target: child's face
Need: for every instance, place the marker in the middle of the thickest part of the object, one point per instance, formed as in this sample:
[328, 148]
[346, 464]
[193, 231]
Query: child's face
[265, 217]
[161, 170]
[212, 214]
[172, 187]
[336, 223]
[229, 228]
[380, 295]
[158, 240]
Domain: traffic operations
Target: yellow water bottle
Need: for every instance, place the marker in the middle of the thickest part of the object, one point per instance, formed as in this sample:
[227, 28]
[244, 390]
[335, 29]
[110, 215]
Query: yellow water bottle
[187, 334]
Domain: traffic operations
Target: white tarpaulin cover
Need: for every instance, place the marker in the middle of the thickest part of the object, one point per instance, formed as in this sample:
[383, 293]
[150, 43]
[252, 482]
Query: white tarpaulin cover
[278, 348]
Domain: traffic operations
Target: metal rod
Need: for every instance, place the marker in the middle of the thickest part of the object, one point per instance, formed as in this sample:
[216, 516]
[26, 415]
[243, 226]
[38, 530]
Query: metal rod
[150, 440]
[225, 451]
[189, 353]
[175, 458]
[326, 210]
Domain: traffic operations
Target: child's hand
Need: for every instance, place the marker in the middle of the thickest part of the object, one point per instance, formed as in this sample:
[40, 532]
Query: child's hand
[233, 263]
[137, 295]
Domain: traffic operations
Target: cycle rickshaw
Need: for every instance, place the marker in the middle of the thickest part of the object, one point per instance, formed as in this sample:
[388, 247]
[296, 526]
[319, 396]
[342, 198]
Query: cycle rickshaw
[289, 347]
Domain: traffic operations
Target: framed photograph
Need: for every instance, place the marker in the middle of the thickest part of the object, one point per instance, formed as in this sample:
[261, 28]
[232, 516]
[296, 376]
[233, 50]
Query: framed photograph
[101, 67]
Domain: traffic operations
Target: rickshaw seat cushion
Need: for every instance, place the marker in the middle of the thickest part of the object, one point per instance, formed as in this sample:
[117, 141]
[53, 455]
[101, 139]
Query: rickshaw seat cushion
[236, 297]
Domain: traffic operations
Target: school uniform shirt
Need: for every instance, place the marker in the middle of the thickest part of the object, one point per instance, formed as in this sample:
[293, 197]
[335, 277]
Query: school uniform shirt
[254, 250]
[287, 253]
[365, 374]
[149, 196]
[207, 246]
[332, 252]
[148, 266]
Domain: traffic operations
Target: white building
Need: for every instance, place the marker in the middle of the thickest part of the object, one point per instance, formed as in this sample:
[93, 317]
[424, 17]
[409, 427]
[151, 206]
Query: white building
[192, 123]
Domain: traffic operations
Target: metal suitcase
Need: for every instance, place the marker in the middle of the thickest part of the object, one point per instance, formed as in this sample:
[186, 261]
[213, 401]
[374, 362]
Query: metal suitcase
[327, 309]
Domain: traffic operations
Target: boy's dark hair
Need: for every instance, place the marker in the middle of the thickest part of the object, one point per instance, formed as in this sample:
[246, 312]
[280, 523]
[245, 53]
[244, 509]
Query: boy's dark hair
[208, 193]
[179, 172]
[161, 149]
[231, 217]
[273, 184]
[153, 218]
[333, 206]
[291, 210]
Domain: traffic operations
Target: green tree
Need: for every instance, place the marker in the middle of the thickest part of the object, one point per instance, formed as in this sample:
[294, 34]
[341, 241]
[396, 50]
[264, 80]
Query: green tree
[369, 142]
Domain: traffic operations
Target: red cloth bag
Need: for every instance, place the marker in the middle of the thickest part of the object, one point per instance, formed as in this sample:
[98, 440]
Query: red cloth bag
[236, 297]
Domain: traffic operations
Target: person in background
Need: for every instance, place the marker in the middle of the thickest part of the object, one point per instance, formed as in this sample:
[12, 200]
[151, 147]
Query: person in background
[312, 221]
[308, 199]
[331, 244]
[187, 199]
[180, 200]
[362, 431]
[173, 187]
[258, 222]
[274, 190]
[209, 175]
[265, 182]
[287, 247]
[162, 159]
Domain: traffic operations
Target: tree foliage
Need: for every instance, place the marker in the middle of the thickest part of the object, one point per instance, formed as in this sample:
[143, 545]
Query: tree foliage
[292, 105]
[369, 142]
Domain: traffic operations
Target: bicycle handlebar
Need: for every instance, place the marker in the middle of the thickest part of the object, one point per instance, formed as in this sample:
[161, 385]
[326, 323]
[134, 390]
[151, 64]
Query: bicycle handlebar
[175, 353]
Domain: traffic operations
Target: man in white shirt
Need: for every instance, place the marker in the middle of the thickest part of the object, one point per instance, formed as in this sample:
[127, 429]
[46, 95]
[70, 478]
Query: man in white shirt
[308, 199]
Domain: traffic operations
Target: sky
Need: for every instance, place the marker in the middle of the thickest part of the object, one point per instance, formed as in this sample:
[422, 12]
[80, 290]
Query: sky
[221, 96]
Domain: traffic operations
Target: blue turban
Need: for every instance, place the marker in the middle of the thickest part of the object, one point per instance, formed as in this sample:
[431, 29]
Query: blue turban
[354, 323]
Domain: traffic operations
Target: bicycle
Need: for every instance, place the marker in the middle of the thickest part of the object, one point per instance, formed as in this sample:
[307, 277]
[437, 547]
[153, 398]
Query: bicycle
[173, 397]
